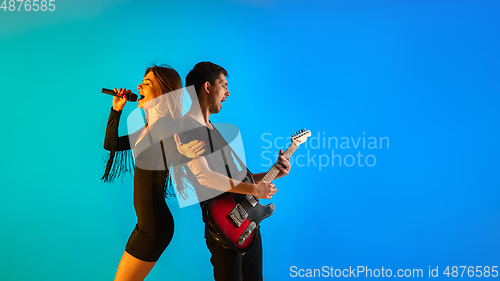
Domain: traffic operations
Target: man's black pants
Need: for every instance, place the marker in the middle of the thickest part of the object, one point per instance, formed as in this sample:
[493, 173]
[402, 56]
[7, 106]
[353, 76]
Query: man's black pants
[230, 266]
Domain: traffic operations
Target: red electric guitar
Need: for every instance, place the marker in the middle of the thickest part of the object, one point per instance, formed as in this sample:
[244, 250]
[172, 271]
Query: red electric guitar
[236, 216]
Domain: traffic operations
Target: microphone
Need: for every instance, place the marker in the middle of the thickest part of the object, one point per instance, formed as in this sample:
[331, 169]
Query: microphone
[130, 96]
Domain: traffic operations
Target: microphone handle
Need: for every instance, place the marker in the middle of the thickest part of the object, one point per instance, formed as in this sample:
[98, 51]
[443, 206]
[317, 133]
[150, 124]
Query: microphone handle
[130, 96]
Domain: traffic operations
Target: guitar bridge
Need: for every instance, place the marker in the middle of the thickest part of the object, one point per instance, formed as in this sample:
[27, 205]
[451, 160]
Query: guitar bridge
[238, 215]
[247, 233]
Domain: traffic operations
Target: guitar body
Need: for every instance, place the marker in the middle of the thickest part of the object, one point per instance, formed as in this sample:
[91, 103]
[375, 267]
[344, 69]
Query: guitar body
[228, 207]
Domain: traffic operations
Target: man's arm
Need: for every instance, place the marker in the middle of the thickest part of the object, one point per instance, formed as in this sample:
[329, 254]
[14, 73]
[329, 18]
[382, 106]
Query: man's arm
[213, 180]
[258, 177]
[283, 165]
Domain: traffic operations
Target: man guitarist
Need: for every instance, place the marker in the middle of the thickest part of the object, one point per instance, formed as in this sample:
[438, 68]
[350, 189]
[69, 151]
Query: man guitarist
[216, 168]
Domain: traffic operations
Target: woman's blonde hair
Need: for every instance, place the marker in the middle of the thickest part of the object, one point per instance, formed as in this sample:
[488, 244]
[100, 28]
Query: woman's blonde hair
[169, 87]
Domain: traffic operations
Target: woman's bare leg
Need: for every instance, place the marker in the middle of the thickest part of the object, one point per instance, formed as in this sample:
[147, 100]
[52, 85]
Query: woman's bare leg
[133, 269]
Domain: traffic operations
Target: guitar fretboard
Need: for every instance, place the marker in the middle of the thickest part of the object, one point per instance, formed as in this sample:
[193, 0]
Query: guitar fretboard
[274, 171]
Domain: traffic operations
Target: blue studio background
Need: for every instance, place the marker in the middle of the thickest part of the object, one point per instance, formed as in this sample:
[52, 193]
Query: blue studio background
[401, 97]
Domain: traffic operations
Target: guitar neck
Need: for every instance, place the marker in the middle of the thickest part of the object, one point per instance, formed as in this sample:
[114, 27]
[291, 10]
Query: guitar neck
[274, 171]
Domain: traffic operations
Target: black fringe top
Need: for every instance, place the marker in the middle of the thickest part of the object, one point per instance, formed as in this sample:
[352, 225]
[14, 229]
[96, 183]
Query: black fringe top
[154, 154]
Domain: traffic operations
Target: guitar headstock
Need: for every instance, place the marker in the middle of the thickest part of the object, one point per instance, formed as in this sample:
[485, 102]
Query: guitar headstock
[300, 136]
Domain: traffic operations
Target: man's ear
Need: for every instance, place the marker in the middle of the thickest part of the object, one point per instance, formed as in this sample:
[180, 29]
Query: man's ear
[206, 86]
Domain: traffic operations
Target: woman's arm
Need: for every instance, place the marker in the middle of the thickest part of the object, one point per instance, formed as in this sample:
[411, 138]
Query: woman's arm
[120, 160]
[111, 138]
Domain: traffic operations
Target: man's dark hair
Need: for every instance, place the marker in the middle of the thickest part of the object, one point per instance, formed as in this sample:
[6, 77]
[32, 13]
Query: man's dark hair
[202, 72]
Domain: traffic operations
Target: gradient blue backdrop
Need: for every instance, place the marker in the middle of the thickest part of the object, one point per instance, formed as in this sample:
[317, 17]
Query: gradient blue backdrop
[423, 74]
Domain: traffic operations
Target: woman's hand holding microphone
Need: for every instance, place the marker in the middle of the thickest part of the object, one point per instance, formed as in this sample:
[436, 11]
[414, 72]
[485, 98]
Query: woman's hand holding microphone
[120, 101]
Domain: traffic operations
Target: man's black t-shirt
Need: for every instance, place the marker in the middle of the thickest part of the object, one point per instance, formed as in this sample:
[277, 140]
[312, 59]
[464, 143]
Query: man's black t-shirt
[220, 157]
[227, 263]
